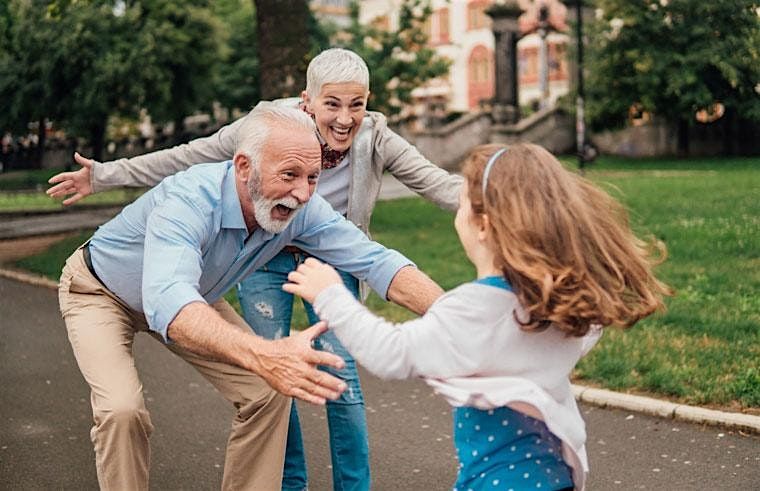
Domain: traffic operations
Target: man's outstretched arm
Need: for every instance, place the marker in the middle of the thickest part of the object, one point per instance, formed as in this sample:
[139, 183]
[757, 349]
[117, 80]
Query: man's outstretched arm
[413, 289]
[288, 365]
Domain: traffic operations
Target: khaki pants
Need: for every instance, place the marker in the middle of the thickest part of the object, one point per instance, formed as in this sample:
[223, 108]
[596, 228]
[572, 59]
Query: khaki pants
[101, 330]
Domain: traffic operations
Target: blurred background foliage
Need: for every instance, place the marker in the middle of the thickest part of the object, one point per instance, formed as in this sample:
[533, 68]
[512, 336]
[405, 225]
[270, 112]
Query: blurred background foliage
[84, 63]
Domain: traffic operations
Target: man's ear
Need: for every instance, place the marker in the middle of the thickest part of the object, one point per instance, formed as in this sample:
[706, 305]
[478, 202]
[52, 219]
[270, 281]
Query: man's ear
[242, 167]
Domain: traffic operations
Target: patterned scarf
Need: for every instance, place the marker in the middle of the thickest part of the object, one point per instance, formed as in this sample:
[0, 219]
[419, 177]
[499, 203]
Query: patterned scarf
[330, 157]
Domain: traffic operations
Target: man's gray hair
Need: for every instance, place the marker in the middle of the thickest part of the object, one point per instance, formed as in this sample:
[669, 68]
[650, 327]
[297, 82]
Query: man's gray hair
[335, 66]
[257, 125]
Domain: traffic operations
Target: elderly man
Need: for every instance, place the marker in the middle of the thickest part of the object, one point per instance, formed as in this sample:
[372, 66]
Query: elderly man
[164, 263]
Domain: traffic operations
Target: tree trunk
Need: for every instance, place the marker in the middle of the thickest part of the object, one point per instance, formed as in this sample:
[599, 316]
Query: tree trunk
[98, 140]
[179, 130]
[282, 30]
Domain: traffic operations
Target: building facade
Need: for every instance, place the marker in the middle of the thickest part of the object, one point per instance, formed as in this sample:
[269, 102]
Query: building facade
[461, 31]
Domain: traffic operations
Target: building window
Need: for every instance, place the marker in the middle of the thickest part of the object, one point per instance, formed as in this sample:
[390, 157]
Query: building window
[480, 75]
[443, 25]
[476, 15]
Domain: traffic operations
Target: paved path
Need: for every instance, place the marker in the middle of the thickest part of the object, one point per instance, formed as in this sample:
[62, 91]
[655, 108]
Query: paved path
[45, 414]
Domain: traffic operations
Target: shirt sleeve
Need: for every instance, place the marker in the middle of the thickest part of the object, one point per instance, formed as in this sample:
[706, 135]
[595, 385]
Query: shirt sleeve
[151, 168]
[333, 239]
[424, 347]
[172, 262]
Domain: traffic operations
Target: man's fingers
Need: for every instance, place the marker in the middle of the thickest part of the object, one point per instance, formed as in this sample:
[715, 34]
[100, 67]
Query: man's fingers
[313, 386]
[306, 396]
[326, 385]
[315, 330]
[326, 359]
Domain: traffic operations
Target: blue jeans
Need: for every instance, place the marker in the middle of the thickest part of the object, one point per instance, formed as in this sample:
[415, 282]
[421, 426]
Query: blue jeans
[268, 310]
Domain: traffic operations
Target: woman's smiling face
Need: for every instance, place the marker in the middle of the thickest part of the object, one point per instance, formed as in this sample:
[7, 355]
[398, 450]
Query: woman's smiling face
[338, 112]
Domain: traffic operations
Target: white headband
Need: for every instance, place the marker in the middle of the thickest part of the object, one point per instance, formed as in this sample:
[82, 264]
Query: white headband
[487, 170]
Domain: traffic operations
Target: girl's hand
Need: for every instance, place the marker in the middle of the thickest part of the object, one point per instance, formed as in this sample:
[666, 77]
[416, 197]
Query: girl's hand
[310, 279]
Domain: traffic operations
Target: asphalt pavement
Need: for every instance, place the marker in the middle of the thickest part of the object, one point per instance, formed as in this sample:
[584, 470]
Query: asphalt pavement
[45, 413]
[44, 436]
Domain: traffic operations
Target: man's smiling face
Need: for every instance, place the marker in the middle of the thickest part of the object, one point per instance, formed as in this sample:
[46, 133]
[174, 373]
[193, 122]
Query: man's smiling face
[285, 178]
[338, 111]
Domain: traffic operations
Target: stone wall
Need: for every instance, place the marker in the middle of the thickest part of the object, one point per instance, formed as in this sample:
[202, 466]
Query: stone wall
[449, 145]
[551, 128]
[658, 139]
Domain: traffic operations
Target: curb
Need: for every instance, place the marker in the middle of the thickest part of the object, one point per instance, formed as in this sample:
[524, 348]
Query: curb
[598, 397]
[667, 410]
[31, 279]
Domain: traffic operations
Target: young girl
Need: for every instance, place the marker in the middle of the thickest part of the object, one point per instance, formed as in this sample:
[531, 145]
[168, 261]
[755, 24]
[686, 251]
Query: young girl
[555, 261]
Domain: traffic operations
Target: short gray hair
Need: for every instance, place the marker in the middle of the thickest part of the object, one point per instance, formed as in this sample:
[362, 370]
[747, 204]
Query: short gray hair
[256, 126]
[335, 66]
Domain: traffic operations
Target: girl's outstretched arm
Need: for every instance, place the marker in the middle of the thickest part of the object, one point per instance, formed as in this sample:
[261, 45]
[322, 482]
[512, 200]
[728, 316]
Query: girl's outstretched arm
[426, 347]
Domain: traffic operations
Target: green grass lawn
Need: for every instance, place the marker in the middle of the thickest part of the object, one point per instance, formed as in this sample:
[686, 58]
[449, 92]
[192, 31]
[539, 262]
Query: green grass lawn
[705, 349]
[38, 201]
[26, 179]
[23, 191]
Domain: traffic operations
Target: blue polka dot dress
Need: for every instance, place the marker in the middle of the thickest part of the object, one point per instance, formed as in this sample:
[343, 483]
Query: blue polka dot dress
[503, 449]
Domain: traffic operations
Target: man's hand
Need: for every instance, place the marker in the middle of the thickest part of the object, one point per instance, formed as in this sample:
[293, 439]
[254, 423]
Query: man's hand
[310, 279]
[77, 183]
[288, 366]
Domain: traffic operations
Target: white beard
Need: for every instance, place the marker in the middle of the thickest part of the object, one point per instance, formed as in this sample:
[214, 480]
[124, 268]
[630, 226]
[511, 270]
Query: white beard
[262, 211]
[262, 207]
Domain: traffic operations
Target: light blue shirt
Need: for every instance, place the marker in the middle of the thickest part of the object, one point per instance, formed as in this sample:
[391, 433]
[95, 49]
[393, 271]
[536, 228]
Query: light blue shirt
[186, 241]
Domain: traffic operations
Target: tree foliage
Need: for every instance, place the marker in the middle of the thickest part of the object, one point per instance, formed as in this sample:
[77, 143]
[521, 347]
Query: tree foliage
[673, 58]
[236, 82]
[185, 38]
[399, 60]
[81, 62]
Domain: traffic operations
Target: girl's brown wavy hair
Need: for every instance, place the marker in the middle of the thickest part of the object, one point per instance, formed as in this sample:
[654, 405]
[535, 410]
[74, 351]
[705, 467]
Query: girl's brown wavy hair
[563, 244]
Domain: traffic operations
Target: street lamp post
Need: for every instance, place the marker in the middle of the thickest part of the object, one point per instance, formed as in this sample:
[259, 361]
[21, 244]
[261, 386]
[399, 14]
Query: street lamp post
[543, 61]
[580, 123]
[585, 151]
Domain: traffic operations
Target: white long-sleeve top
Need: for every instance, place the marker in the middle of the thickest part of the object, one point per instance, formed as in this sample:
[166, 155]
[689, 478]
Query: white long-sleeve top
[470, 349]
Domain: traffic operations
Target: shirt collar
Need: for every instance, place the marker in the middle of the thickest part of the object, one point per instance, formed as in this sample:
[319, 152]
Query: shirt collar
[232, 212]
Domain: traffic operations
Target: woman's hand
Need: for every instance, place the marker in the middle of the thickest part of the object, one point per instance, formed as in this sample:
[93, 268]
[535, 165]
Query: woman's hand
[75, 184]
[310, 279]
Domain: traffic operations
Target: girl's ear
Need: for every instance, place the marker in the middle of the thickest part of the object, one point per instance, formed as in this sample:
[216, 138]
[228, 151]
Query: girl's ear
[484, 227]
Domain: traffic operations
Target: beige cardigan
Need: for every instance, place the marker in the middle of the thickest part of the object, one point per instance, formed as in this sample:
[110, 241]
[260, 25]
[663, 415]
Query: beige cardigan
[376, 148]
